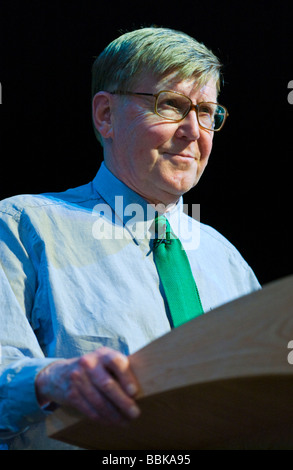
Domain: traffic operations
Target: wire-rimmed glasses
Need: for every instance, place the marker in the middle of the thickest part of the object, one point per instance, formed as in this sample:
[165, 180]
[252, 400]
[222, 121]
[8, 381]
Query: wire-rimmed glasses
[175, 106]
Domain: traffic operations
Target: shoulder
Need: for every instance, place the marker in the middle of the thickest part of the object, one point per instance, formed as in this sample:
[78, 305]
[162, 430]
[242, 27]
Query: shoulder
[213, 245]
[219, 261]
[213, 236]
[18, 205]
[15, 205]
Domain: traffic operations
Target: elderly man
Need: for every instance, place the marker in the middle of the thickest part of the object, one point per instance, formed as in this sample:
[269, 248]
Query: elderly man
[83, 279]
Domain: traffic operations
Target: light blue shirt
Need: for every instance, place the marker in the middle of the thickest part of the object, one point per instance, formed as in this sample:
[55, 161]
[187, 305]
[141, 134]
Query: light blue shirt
[77, 272]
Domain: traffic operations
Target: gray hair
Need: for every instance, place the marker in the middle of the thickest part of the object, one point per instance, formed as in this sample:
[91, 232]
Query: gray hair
[161, 51]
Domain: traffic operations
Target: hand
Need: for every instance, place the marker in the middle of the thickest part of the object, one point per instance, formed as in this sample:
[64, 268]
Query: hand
[100, 385]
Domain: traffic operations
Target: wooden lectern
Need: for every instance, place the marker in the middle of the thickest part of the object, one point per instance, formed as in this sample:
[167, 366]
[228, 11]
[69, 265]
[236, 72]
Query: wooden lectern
[221, 381]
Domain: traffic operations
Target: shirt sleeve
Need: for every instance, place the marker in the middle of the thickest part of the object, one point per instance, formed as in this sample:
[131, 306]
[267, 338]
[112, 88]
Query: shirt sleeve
[21, 356]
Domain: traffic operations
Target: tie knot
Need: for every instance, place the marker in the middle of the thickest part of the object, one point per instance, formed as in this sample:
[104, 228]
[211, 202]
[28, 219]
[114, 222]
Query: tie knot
[162, 227]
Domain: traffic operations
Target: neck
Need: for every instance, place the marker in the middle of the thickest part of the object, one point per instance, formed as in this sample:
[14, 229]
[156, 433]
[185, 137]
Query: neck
[161, 207]
[162, 204]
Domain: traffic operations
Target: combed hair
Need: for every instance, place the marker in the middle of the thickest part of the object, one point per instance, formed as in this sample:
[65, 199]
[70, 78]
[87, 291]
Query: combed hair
[161, 51]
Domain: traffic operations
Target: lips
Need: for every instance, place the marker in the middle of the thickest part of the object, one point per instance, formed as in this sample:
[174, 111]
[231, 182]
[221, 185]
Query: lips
[184, 155]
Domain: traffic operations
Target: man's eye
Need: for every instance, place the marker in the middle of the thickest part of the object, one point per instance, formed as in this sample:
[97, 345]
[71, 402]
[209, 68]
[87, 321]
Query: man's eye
[169, 103]
[207, 110]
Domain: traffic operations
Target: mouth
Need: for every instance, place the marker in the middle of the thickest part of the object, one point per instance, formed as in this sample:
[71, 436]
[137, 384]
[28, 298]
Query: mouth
[183, 156]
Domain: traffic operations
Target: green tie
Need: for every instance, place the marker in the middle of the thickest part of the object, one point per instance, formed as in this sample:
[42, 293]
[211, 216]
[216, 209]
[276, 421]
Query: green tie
[175, 274]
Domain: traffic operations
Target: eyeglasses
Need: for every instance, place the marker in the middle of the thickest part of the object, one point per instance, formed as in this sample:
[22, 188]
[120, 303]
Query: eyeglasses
[175, 106]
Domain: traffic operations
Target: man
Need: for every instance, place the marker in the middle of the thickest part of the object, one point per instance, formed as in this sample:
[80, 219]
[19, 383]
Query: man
[80, 288]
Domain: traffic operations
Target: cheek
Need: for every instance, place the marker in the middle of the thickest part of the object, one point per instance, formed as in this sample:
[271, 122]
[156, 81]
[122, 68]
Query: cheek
[150, 138]
[162, 135]
[205, 144]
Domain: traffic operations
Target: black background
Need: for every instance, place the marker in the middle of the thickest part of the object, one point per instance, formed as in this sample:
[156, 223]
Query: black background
[46, 139]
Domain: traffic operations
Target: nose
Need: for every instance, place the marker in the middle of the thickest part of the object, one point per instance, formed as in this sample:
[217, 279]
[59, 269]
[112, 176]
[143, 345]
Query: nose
[188, 128]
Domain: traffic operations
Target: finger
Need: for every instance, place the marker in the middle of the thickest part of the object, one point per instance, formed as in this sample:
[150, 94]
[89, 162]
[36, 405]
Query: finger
[89, 400]
[118, 365]
[101, 382]
[100, 409]
[111, 389]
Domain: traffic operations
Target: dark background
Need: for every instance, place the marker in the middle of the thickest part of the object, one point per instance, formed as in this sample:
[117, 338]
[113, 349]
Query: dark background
[46, 139]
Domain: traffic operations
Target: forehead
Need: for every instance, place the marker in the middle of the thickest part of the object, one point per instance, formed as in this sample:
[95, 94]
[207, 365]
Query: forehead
[189, 87]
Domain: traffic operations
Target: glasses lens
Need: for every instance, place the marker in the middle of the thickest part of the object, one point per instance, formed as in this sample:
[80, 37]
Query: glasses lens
[211, 115]
[172, 106]
[175, 107]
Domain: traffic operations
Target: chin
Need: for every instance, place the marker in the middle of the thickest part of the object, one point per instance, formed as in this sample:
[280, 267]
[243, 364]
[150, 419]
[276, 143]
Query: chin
[182, 185]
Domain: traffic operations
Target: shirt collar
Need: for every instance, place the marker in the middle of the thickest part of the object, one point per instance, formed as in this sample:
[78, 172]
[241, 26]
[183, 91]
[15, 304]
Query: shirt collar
[133, 210]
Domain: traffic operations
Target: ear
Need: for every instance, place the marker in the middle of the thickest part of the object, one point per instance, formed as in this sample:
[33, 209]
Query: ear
[101, 112]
